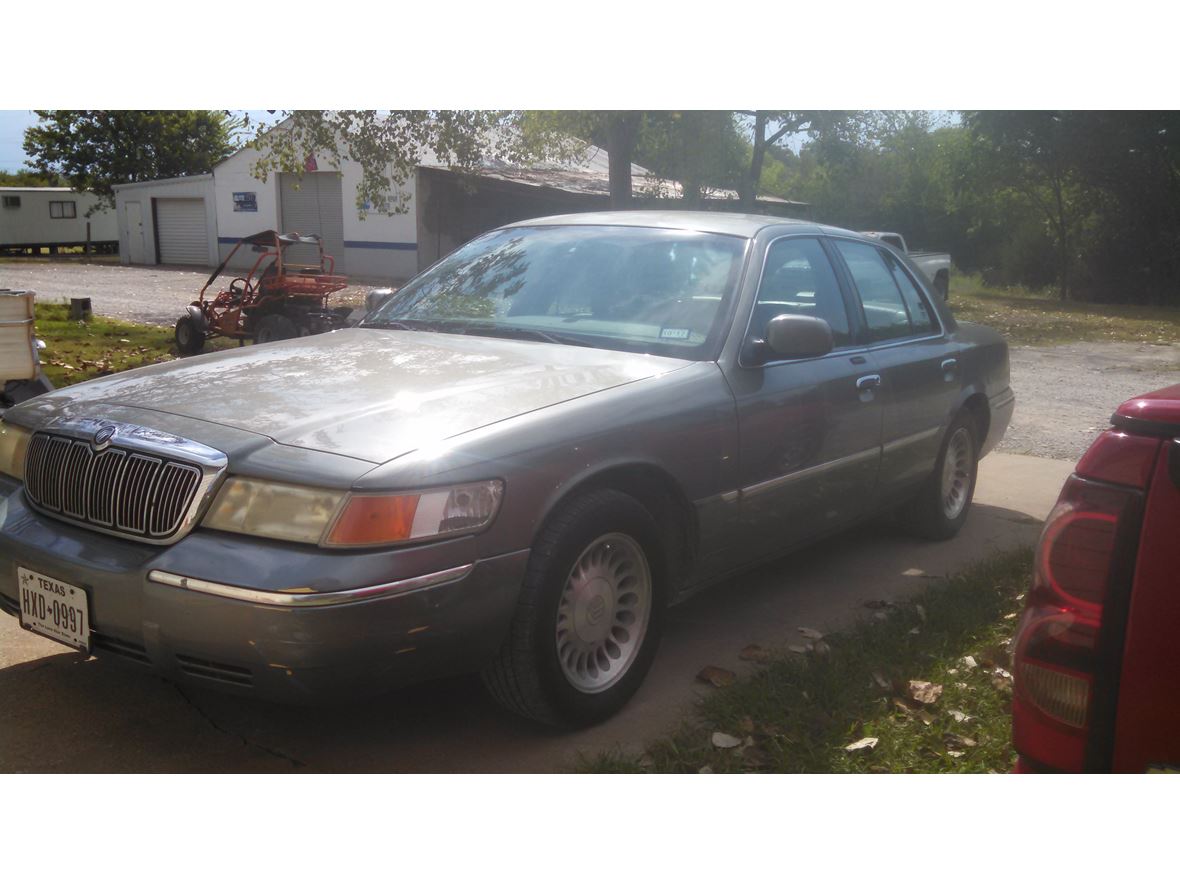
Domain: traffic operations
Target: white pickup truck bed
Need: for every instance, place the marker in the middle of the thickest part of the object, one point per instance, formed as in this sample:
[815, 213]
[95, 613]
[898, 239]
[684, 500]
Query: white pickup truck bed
[935, 265]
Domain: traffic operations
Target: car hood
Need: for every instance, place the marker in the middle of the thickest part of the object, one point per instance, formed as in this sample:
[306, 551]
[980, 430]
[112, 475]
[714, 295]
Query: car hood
[371, 394]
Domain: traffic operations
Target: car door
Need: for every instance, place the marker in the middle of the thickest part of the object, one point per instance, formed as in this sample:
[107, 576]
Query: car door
[917, 362]
[809, 436]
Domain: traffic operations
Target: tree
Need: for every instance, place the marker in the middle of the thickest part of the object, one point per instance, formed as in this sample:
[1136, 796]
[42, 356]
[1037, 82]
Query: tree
[29, 178]
[770, 128]
[1036, 153]
[388, 146]
[698, 148]
[617, 132]
[94, 150]
[701, 150]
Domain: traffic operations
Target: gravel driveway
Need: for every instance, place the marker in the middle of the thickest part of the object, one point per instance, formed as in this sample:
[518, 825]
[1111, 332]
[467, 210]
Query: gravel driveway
[1064, 393]
[155, 295]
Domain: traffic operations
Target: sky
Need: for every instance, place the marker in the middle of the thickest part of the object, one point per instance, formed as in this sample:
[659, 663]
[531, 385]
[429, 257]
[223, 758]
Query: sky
[12, 133]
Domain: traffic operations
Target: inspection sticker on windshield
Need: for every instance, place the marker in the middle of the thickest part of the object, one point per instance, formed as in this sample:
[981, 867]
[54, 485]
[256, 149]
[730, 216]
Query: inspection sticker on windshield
[54, 609]
[680, 334]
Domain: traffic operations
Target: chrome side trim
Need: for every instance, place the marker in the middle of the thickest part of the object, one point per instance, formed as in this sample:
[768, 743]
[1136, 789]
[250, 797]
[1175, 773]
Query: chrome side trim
[1001, 399]
[309, 598]
[788, 478]
[918, 437]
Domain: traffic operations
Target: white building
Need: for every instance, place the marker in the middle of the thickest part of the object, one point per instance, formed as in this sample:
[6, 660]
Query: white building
[171, 221]
[36, 218]
[198, 219]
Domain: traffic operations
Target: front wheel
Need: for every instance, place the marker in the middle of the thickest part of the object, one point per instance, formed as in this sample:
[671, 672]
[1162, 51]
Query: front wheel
[589, 616]
[190, 340]
[940, 508]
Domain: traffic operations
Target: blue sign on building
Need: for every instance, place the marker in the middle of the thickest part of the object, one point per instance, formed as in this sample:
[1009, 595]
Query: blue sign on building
[245, 201]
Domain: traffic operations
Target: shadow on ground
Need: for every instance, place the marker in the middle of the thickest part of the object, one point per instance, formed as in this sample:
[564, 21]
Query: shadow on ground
[63, 713]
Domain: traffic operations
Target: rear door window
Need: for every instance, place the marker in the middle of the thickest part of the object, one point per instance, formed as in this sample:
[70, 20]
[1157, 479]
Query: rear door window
[886, 314]
[921, 314]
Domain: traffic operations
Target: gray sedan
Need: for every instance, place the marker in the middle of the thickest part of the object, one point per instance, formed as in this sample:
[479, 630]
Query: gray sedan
[514, 465]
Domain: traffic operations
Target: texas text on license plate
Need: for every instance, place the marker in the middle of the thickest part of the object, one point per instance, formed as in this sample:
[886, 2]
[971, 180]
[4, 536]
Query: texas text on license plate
[54, 609]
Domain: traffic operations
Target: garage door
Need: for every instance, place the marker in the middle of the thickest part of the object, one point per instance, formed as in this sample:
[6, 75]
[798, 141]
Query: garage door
[313, 205]
[180, 231]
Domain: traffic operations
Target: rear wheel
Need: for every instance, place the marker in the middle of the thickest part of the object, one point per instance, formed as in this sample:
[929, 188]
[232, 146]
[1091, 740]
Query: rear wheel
[940, 508]
[274, 327]
[190, 339]
[589, 616]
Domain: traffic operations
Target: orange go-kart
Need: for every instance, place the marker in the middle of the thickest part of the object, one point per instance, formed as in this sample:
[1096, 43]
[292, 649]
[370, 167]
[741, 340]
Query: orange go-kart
[277, 299]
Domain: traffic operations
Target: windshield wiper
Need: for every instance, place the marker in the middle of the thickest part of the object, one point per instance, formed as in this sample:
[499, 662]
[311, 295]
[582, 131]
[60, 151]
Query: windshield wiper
[498, 331]
[406, 325]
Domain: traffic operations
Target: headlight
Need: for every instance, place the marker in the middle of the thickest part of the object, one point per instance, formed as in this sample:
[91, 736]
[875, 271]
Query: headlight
[273, 510]
[342, 519]
[14, 442]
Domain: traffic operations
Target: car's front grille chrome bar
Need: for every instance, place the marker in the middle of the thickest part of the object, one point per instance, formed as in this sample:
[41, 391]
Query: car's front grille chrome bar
[147, 495]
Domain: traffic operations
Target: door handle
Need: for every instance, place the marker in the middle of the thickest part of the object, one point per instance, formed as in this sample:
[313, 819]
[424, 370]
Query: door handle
[868, 382]
[948, 369]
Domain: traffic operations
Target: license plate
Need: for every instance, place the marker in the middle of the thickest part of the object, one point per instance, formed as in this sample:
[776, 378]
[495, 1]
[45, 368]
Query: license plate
[54, 609]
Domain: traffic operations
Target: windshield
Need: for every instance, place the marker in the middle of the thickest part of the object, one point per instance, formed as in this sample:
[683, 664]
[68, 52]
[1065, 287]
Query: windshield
[649, 290]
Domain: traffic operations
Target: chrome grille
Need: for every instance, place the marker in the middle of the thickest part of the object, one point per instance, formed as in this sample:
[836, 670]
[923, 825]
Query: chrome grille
[131, 493]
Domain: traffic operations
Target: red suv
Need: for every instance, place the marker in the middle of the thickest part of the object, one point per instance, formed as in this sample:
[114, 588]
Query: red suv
[1097, 651]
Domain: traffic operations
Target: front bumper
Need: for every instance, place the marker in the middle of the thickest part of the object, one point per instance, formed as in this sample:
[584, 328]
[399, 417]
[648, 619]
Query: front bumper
[393, 617]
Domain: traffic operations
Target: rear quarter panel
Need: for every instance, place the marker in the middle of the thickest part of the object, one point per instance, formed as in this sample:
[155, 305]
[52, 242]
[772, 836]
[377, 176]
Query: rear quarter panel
[983, 359]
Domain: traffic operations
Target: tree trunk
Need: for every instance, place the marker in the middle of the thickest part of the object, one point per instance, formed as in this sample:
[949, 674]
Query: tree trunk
[622, 135]
[1063, 237]
[749, 189]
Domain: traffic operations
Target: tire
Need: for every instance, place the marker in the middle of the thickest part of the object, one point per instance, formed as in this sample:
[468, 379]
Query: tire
[274, 327]
[190, 339]
[556, 664]
[942, 285]
[940, 508]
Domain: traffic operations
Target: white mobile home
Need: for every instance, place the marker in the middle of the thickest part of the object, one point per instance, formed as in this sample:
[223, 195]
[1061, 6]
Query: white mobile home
[51, 218]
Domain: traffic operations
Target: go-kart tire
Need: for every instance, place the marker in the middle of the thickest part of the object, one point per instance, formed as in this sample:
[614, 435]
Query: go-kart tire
[190, 339]
[275, 327]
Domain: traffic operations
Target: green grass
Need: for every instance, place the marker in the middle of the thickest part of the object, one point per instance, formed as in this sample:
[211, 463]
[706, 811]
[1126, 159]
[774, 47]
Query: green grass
[799, 711]
[1026, 317]
[78, 351]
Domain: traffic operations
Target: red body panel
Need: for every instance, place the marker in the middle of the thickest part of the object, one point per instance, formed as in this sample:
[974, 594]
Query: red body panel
[1147, 729]
[1159, 406]
[1141, 452]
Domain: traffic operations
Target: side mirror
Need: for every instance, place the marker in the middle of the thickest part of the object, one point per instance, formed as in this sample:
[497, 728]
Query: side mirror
[793, 337]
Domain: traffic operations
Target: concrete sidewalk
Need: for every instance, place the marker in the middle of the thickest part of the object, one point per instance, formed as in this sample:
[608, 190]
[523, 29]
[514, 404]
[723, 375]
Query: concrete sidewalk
[64, 714]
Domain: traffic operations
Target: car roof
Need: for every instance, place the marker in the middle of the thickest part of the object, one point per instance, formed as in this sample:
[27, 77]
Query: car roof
[731, 223]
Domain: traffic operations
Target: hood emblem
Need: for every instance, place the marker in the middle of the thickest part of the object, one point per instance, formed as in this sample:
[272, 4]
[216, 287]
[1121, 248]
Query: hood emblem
[102, 437]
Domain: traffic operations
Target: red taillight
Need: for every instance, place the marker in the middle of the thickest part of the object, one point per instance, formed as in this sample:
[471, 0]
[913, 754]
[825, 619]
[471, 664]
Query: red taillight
[1059, 642]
